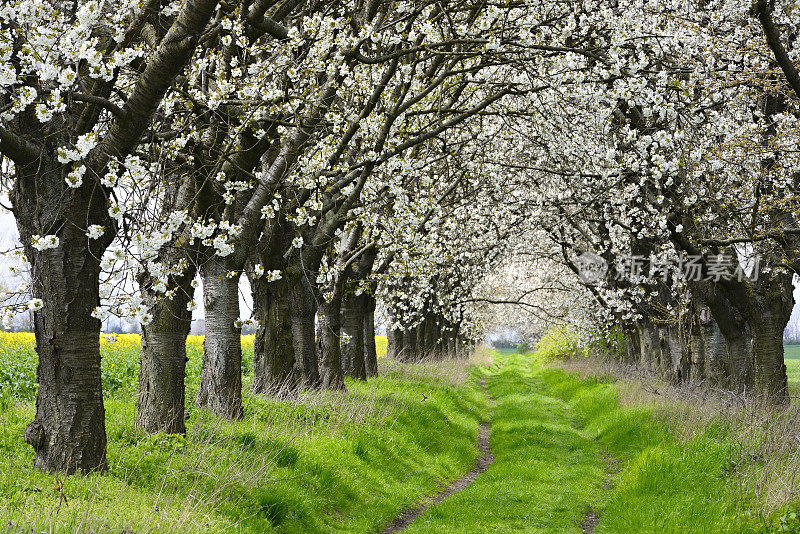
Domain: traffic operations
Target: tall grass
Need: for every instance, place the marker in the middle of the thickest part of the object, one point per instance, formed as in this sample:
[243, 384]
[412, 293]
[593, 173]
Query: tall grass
[752, 448]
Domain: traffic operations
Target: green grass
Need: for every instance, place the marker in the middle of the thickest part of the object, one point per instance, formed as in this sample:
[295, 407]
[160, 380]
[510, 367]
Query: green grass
[791, 352]
[793, 371]
[329, 463]
[350, 463]
[564, 446]
[546, 475]
[665, 485]
[791, 355]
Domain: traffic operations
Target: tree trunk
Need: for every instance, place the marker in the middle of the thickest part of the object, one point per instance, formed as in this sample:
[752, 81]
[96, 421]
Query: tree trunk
[752, 315]
[709, 349]
[457, 344]
[329, 326]
[737, 367]
[370, 351]
[68, 431]
[273, 356]
[450, 341]
[633, 344]
[739, 361]
[773, 310]
[161, 404]
[769, 367]
[439, 343]
[394, 344]
[285, 357]
[462, 347]
[420, 344]
[410, 344]
[221, 379]
[681, 364]
[662, 356]
[353, 337]
[431, 338]
[648, 344]
[304, 312]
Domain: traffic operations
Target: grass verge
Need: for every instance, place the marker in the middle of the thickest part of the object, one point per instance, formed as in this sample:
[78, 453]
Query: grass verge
[691, 461]
[327, 462]
[566, 445]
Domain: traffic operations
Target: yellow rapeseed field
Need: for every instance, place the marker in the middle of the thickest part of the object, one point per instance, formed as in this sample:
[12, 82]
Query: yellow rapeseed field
[120, 361]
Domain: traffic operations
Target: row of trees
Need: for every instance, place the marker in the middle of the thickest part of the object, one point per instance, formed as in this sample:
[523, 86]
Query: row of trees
[425, 160]
[666, 160]
[325, 150]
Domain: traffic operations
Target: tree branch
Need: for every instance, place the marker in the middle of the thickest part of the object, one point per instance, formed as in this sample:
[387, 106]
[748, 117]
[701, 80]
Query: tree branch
[100, 101]
[173, 54]
[17, 149]
[774, 41]
[260, 24]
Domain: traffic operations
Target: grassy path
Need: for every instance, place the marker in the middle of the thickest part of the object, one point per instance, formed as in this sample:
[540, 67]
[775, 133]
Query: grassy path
[570, 459]
[547, 474]
[482, 463]
[330, 462]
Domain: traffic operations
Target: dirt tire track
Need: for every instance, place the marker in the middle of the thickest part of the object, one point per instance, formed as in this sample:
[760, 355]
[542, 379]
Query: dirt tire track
[482, 463]
[592, 517]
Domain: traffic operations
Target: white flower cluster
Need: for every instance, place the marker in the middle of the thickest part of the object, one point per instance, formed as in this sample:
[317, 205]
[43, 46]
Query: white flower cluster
[240, 323]
[95, 231]
[47, 242]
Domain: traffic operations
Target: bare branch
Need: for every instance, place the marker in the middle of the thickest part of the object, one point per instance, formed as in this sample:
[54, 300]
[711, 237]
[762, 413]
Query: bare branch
[100, 101]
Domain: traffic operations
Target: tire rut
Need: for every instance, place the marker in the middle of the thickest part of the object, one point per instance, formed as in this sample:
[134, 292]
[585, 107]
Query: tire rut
[482, 463]
[592, 517]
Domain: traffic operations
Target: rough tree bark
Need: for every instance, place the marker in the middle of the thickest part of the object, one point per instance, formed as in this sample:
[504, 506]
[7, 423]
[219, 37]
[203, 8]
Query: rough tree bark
[729, 311]
[353, 364]
[680, 364]
[458, 345]
[329, 326]
[450, 341]
[161, 396]
[752, 316]
[420, 344]
[436, 338]
[709, 350]
[410, 344]
[273, 358]
[772, 308]
[68, 432]
[358, 347]
[394, 344]
[431, 338]
[221, 379]
[285, 352]
[662, 357]
[304, 312]
[738, 363]
[370, 351]
[633, 344]
[648, 344]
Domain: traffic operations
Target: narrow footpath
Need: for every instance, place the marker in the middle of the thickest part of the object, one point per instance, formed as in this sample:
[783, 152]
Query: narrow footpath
[537, 473]
[482, 463]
